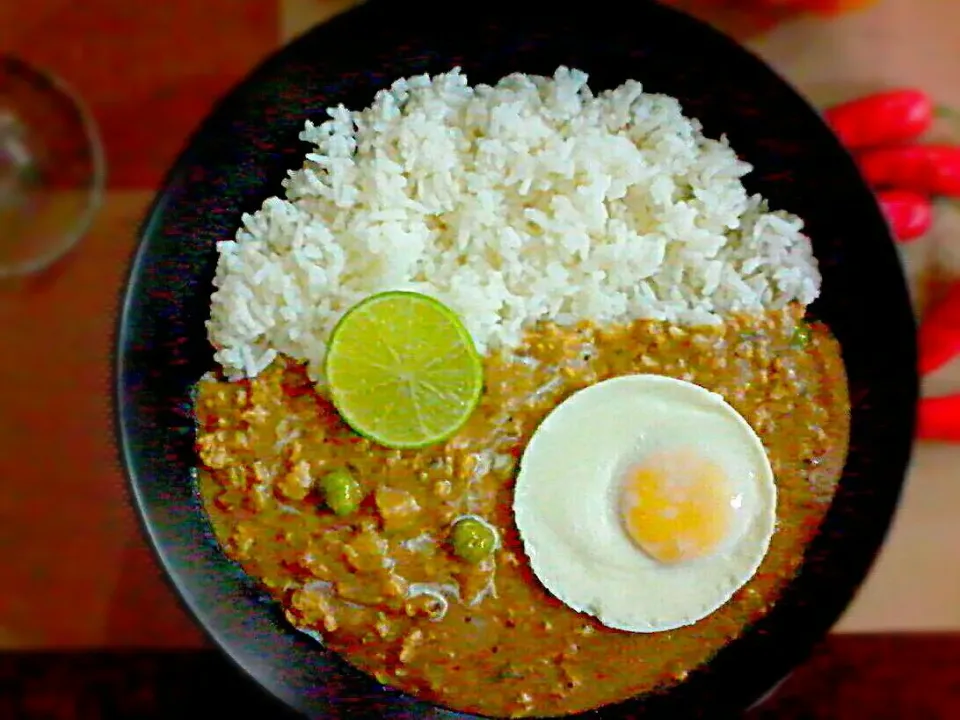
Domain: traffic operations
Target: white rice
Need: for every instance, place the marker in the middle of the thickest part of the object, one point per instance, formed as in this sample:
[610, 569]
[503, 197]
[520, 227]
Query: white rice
[531, 200]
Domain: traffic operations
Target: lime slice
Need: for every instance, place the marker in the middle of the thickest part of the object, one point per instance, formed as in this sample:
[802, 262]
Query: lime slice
[402, 370]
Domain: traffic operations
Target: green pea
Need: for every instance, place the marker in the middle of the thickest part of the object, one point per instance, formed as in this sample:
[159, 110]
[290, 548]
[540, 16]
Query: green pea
[801, 336]
[473, 539]
[341, 491]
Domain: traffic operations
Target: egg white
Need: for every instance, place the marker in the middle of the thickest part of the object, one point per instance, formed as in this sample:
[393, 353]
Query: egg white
[566, 501]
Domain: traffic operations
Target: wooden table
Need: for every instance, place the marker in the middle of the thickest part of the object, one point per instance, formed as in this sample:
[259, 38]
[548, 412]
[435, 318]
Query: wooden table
[75, 571]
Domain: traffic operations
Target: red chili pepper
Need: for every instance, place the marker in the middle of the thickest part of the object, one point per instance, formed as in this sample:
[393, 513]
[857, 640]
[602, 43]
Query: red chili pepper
[882, 118]
[910, 214]
[938, 418]
[927, 169]
[939, 335]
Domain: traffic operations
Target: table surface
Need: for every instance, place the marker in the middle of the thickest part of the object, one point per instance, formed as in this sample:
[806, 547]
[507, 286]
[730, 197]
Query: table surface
[76, 572]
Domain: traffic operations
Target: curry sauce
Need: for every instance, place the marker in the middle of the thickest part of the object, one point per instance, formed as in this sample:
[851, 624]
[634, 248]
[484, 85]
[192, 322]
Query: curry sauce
[384, 589]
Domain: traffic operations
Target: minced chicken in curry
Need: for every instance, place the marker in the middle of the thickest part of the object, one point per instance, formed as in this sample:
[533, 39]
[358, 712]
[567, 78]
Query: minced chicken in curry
[377, 575]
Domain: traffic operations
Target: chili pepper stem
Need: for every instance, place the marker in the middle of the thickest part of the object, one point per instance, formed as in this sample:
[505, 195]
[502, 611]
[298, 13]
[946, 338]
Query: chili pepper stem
[946, 113]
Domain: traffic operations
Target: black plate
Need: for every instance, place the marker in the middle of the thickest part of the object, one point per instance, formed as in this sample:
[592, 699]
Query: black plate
[241, 153]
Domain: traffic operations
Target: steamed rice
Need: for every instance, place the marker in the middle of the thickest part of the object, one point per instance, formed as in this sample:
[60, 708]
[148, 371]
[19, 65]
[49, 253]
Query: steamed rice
[531, 200]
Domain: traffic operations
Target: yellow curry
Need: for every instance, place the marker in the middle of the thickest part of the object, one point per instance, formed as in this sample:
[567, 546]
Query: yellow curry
[380, 583]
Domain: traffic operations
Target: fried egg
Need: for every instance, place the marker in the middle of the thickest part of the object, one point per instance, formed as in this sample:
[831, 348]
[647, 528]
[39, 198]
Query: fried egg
[645, 501]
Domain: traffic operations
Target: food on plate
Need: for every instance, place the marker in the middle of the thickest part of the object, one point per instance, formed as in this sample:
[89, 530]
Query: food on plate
[645, 501]
[609, 383]
[474, 539]
[535, 201]
[341, 491]
[397, 357]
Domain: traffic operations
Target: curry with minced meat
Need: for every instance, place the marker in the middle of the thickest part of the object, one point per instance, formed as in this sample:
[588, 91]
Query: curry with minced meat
[381, 584]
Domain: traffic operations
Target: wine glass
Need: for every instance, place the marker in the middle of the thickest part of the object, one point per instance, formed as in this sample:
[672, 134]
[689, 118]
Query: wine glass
[52, 168]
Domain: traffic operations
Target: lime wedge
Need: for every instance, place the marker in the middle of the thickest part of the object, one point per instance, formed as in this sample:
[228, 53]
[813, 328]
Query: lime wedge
[402, 370]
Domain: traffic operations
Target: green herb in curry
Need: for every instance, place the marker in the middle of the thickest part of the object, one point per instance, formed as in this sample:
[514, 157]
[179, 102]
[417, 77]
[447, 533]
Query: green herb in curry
[801, 336]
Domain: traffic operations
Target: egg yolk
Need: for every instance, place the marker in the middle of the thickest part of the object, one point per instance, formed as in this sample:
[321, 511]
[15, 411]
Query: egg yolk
[678, 505]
